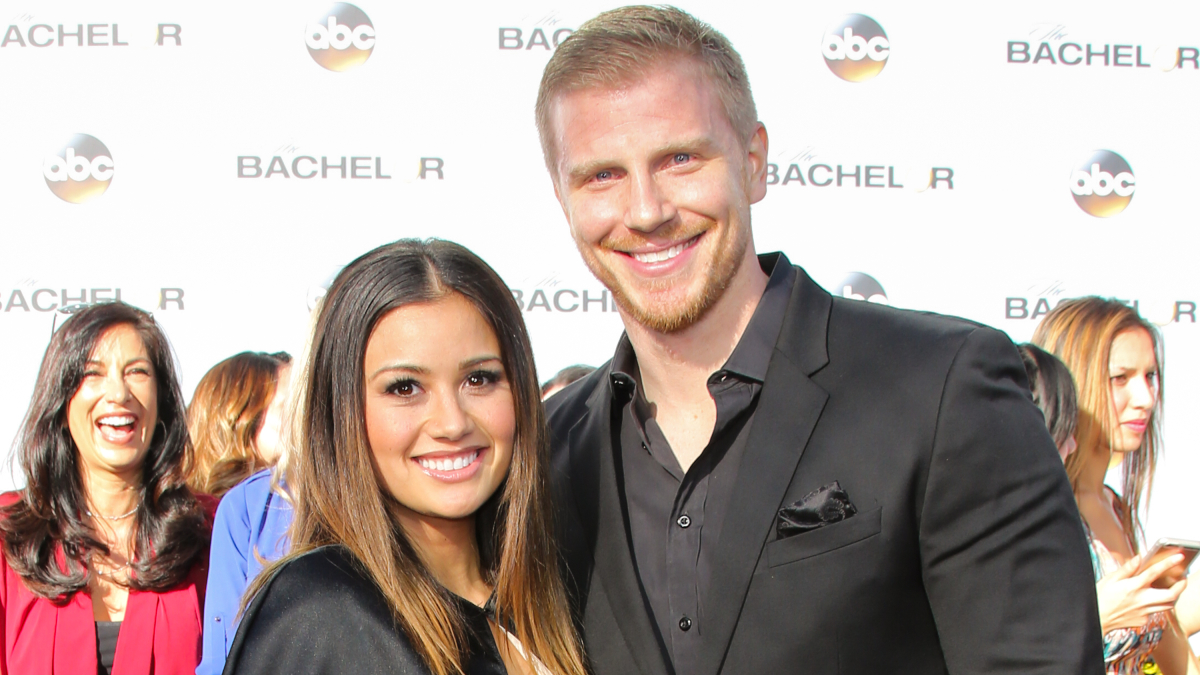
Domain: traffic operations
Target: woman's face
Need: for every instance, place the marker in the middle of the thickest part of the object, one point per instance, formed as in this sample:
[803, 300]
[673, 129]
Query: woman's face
[1133, 381]
[267, 439]
[439, 409]
[113, 413]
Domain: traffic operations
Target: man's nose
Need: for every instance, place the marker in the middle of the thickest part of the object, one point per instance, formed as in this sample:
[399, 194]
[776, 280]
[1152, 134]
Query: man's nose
[649, 206]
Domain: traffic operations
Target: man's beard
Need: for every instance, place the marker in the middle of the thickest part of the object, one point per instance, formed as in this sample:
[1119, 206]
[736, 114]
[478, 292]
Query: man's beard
[670, 318]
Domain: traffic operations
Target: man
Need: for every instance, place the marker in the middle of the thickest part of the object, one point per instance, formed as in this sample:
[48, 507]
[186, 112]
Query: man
[765, 478]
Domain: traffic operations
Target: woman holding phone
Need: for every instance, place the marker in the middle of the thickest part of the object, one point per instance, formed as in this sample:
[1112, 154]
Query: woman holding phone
[1114, 356]
[421, 540]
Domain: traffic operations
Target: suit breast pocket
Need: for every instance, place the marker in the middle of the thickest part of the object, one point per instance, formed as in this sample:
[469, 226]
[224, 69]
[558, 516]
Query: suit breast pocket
[825, 539]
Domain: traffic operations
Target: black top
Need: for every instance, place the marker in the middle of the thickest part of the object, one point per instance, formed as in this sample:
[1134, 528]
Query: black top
[320, 614]
[106, 645]
[675, 517]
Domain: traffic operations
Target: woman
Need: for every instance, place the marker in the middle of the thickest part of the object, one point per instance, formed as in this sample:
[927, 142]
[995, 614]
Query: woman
[249, 532]
[1114, 356]
[234, 419]
[1053, 392]
[104, 548]
[421, 540]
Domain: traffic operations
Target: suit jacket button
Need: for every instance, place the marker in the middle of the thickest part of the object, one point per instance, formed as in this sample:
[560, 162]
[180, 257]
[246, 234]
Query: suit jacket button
[685, 624]
[684, 521]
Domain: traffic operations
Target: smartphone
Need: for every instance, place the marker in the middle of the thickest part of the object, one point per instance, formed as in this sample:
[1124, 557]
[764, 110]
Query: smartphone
[1165, 548]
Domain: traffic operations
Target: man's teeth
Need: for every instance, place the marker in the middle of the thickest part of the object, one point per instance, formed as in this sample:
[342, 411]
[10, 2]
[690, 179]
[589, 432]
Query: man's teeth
[118, 420]
[448, 464]
[659, 256]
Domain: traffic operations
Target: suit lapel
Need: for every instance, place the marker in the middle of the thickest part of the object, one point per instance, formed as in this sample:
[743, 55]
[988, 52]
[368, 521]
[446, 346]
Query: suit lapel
[789, 406]
[594, 481]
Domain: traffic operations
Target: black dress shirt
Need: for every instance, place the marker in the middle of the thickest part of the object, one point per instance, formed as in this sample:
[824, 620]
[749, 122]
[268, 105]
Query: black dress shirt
[675, 516]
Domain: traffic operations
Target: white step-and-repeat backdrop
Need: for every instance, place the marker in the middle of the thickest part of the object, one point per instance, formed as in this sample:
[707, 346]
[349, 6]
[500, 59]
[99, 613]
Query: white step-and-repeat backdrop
[217, 162]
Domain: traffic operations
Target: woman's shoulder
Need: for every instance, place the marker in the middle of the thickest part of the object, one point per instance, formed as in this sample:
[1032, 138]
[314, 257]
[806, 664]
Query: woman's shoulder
[320, 609]
[255, 488]
[328, 579]
[10, 498]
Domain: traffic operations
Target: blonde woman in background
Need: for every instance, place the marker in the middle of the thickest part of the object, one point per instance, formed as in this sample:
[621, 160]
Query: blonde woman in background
[250, 528]
[234, 419]
[1115, 358]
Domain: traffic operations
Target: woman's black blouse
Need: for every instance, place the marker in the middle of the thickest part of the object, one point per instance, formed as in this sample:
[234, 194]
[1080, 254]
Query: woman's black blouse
[321, 614]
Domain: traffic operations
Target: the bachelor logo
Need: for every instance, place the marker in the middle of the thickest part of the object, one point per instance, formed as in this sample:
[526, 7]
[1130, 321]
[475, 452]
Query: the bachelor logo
[806, 168]
[1103, 185]
[80, 170]
[855, 48]
[859, 286]
[289, 161]
[544, 35]
[31, 31]
[341, 38]
[1053, 45]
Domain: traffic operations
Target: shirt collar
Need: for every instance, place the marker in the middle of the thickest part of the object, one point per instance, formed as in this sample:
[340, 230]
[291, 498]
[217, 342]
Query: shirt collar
[752, 354]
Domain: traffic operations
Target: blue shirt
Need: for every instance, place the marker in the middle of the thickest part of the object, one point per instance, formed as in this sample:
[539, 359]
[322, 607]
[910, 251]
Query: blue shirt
[251, 523]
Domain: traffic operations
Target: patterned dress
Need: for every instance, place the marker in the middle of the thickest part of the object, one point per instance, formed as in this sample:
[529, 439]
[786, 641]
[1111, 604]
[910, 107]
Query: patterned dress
[1126, 650]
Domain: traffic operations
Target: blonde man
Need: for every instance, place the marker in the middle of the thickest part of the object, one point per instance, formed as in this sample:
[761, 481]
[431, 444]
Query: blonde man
[765, 478]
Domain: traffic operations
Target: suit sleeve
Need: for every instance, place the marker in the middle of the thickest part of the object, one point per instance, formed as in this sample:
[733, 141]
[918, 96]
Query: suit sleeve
[1004, 554]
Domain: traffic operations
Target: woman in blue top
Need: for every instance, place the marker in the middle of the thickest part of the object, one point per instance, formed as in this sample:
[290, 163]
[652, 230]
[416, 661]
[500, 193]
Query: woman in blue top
[250, 530]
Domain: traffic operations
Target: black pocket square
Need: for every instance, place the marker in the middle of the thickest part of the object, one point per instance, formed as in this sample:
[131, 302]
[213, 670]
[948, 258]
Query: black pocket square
[824, 506]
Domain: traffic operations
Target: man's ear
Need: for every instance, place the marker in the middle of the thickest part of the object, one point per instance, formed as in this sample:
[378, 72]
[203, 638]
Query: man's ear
[756, 163]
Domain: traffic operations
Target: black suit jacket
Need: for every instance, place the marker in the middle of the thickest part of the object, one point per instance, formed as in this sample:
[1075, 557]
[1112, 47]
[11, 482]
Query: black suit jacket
[967, 554]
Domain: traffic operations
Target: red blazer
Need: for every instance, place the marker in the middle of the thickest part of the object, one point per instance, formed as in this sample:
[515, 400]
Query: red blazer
[160, 634]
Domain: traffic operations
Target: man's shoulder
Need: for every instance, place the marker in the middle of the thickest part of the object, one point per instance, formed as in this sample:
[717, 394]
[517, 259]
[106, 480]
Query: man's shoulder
[857, 325]
[570, 404]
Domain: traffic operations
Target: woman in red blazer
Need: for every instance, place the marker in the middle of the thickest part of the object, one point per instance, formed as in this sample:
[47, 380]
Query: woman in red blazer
[104, 549]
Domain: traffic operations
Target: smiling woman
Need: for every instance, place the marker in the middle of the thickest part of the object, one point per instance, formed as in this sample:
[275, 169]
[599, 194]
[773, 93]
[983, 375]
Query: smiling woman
[421, 539]
[104, 548]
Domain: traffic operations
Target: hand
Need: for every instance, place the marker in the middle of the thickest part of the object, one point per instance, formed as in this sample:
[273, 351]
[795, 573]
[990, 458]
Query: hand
[1127, 598]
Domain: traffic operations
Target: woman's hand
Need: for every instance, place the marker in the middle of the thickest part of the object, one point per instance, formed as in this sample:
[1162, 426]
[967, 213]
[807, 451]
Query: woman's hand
[1127, 597]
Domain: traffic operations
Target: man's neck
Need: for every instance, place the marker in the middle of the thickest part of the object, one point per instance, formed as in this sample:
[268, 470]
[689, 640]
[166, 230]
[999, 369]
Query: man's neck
[675, 367]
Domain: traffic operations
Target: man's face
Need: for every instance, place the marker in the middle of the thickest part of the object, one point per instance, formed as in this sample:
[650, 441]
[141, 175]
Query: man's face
[657, 188]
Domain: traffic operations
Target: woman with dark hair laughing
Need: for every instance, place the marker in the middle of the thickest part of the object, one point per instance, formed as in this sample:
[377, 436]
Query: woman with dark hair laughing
[104, 548]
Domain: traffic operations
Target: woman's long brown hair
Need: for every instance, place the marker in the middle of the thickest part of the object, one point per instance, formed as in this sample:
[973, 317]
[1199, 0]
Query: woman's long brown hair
[1080, 332]
[225, 415]
[342, 501]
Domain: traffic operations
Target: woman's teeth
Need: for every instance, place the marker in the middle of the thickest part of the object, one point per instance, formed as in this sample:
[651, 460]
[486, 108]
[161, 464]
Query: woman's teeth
[118, 421]
[448, 464]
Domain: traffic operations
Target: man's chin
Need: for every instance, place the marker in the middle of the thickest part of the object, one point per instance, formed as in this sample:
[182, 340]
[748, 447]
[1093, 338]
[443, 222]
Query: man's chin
[663, 315]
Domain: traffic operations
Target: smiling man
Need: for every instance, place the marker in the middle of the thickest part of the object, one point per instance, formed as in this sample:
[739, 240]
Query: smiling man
[765, 478]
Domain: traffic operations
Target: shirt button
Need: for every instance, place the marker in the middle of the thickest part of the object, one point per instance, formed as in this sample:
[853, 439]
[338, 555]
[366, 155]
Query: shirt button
[685, 624]
[684, 521]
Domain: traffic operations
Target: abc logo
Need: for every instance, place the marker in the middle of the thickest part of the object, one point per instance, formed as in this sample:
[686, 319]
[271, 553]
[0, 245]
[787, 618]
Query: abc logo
[859, 286]
[1103, 185]
[342, 38]
[856, 48]
[81, 170]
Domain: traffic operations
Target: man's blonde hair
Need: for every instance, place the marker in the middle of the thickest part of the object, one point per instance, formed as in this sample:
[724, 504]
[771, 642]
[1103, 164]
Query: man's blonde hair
[621, 45]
